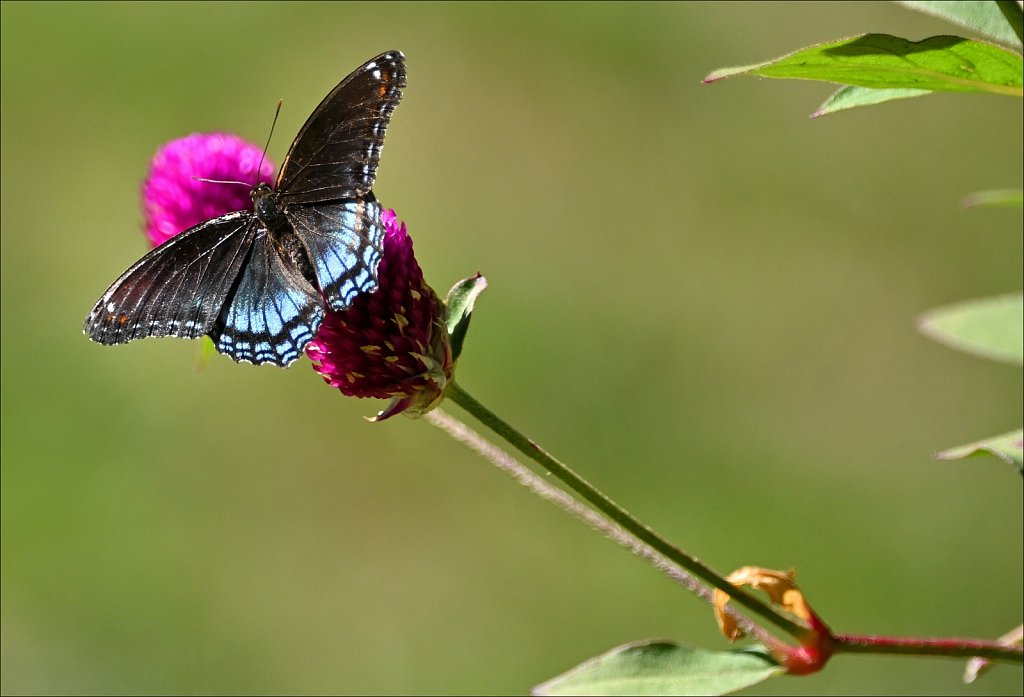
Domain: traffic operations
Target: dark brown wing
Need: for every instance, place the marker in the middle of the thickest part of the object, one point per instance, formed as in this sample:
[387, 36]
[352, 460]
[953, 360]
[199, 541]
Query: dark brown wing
[179, 288]
[336, 152]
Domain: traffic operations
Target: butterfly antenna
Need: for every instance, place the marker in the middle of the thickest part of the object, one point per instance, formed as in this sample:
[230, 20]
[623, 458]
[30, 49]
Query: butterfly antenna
[273, 123]
[218, 181]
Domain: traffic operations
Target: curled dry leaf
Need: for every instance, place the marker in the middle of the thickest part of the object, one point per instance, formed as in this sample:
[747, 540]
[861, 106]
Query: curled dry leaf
[780, 586]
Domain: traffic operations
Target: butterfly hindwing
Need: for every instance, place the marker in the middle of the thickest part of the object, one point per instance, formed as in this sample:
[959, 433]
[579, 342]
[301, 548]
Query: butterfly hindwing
[179, 288]
[335, 155]
[273, 313]
[344, 242]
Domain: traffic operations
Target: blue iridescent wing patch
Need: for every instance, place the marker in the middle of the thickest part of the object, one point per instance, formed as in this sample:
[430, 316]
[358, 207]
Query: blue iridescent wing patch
[274, 313]
[344, 242]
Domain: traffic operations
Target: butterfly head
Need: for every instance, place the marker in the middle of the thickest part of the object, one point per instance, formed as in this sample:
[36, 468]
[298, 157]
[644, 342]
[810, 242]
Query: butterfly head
[260, 191]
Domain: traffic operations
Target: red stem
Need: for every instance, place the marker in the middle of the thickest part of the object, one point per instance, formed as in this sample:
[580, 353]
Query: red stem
[855, 643]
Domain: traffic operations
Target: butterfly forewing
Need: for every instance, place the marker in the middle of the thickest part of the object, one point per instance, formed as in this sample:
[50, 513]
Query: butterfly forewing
[343, 241]
[335, 155]
[273, 313]
[177, 289]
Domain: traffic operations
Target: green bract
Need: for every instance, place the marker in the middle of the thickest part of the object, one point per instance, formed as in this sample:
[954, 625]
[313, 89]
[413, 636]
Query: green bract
[459, 308]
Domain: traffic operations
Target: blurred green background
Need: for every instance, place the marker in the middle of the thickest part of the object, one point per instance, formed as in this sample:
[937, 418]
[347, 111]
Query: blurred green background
[699, 298]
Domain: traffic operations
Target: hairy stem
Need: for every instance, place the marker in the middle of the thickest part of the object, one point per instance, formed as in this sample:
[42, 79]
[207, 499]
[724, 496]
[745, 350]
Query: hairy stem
[623, 518]
[595, 520]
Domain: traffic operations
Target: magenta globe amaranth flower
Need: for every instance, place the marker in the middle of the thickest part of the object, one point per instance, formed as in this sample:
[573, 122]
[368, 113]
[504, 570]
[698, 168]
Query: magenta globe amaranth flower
[392, 343]
[173, 197]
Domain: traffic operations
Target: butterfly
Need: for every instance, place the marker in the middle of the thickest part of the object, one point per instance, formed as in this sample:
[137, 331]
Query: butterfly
[257, 282]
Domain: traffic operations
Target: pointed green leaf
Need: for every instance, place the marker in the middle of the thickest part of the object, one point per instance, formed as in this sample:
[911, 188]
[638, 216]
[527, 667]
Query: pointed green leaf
[852, 96]
[1008, 447]
[459, 308]
[880, 61]
[663, 668]
[1000, 21]
[989, 327]
[1013, 198]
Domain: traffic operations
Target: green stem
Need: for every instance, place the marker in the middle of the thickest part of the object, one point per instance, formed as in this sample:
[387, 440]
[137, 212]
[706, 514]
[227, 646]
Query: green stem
[622, 517]
[561, 498]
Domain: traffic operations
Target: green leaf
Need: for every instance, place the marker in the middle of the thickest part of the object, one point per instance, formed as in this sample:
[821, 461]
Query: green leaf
[989, 327]
[880, 61]
[852, 96]
[1000, 21]
[1008, 447]
[663, 668]
[207, 350]
[1013, 198]
[459, 308]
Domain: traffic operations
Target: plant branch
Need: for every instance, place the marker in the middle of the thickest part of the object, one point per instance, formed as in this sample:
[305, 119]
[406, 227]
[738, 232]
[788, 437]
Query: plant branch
[538, 485]
[954, 647]
[623, 528]
[624, 519]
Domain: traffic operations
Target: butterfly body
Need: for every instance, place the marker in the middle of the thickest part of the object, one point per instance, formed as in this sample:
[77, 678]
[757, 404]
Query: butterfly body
[259, 282]
[268, 210]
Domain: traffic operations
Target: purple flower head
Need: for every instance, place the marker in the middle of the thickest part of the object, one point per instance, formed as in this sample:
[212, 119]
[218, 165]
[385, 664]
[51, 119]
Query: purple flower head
[174, 200]
[392, 343]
